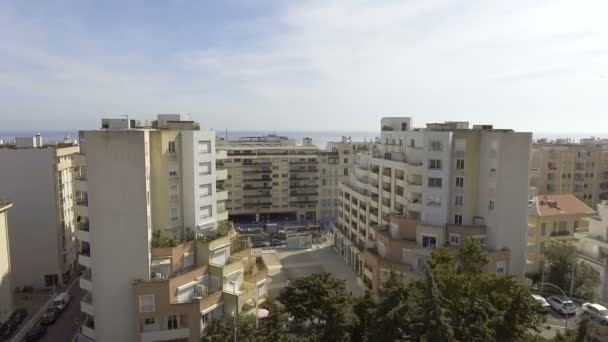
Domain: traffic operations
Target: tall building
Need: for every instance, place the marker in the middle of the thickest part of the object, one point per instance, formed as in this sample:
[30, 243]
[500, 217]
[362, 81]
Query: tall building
[6, 285]
[566, 167]
[336, 163]
[271, 178]
[445, 175]
[159, 257]
[553, 217]
[592, 249]
[39, 181]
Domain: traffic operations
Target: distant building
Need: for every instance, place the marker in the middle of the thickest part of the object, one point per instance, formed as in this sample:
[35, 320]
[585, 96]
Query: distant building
[6, 284]
[29, 142]
[552, 217]
[441, 176]
[39, 181]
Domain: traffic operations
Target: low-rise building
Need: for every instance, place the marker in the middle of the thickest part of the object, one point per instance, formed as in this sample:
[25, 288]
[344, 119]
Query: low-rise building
[552, 217]
[40, 182]
[6, 287]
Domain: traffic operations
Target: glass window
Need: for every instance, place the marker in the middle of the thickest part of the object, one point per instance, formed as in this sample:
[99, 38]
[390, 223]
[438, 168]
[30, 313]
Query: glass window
[436, 145]
[434, 164]
[457, 219]
[146, 303]
[459, 164]
[434, 182]
[459, 201]
[204, 146]
[172, 322]
[171, 147]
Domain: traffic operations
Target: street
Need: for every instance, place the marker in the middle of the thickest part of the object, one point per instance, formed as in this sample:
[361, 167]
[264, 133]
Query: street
[69, 322]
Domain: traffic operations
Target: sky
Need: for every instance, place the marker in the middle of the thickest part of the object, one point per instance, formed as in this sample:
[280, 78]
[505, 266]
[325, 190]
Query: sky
[279, 65]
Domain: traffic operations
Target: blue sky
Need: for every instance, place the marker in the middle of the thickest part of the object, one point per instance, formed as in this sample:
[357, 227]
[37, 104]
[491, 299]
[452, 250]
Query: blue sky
[305, 65]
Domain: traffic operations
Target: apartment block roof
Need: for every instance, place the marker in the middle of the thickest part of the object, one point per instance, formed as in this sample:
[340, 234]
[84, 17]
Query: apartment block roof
[562, 204]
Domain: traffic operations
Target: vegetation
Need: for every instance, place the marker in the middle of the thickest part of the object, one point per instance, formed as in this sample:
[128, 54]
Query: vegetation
[455, 301]
[159, 241]
[560, 257]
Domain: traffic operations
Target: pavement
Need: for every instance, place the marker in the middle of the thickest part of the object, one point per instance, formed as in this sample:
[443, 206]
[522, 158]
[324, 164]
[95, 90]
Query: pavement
[286, 265]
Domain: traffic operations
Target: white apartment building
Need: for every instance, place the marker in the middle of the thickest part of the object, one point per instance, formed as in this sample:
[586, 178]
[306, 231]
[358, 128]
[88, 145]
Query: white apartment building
[271, 178]
[145, 180]
[592, 248]
[6, 285]
[567, 167]
[443, 175]
[39, 181]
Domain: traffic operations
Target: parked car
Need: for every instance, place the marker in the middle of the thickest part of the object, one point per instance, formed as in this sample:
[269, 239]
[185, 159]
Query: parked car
[542, 302]
[562, 305]
[50, 316]
[18, 316]
[61, 301]
[35, 333]
[596, 311]
[8, 328]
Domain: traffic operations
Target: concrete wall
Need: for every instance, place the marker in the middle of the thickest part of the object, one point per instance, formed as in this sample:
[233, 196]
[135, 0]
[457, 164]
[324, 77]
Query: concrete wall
[120, 225]
[6, 287]
[28, 178]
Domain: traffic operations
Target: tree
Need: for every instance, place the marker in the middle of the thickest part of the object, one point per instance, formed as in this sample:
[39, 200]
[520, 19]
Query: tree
[393, 313]
[274, 327]
[222, 329]
[561, 256]
[364, 309]
[321, 302]
[437, 325]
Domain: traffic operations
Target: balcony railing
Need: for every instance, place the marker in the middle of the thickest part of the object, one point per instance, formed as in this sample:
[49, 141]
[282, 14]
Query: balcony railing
[85, 252]
[83, 225]
[560, 233]
[82, 202]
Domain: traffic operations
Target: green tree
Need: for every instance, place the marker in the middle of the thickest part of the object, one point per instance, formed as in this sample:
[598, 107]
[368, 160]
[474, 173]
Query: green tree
[393, 314]
[222, 329]
[364, 309]
[437, 325]
[560, 257]
[275, 326]
[321, 302]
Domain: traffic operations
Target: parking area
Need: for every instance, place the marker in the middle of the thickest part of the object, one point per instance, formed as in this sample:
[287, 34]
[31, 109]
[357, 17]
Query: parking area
[287, 265]
[557, 322]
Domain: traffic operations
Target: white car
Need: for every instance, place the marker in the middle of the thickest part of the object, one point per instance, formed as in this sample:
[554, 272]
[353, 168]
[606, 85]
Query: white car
[596, 311]
[562, 305]
[61, 301]
[544, 305]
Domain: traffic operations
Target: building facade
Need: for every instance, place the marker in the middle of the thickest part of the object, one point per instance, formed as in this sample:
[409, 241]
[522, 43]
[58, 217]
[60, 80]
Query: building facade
[553, 217]
[6, 284]
[580, 169]
[444, 174]
[39, 181]
[149, 200]
[592, 249]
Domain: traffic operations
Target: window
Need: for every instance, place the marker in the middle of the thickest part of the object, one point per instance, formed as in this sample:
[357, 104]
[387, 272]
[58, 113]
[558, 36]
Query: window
[345, 160]
[204, 168]
[146, 303]
[172, 173]
[459, 164]
[436, 146]
[345, 171]
[188, 259]
[172, 322]
[459, 200]
[459, 182]
[543, 229]
[433, 200]
[434, 182]
[172, 147]
[204, 190]
[429, 241]
[205, 211]
[501, 266]
[435, 164]
[173, 214]
[457, 219]
[491, 205]
[454, 240]
[204, 146]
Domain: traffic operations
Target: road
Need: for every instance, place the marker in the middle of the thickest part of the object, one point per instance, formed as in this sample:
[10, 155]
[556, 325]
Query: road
[68, 323]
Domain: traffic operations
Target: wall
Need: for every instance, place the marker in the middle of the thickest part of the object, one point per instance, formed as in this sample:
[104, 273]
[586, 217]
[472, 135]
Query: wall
[27, 177]
[437, 215]
[6, 288]
[117, 165]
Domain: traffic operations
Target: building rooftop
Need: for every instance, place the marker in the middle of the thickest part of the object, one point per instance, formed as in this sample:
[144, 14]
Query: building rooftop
[563, 204]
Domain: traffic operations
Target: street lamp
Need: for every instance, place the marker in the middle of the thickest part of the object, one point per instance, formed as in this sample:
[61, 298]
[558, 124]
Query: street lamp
[564, 294]
[233, 283]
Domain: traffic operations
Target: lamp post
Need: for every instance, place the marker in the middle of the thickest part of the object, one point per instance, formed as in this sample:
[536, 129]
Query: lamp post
[565, 296]
[233, 283]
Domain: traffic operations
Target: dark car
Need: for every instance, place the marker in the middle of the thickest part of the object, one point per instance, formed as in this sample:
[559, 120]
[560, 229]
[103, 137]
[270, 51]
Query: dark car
[18, 316]
[8, 328]
[35, 333]
[50, 316]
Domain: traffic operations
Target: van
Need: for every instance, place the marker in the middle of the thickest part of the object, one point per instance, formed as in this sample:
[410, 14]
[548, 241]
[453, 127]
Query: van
[61, 301]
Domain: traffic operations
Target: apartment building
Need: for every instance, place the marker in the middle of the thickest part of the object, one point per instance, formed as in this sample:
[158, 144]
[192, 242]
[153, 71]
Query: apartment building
[592, 249]
[271, 178]
[566, 167]
[336, 163]
[40, 183]
[552, 217]
[6, 285]
[153, 229]
[446, 174]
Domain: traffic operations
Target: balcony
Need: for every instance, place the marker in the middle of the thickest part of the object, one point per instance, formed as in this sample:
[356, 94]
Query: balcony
[255, 172]
[222, 195]
[84, 259]
[222, 215]
[84, 235]
[85, 281]
[561, 233]
[88, 327]
[221, 174]
[86, 304]
[82, 207]
[165, 335]
[80, 183]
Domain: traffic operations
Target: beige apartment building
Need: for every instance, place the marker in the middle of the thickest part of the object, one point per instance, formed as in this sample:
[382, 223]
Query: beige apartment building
[580, 169]
[40, 182]
[440, 176]
[160, 260]
[553, 217]
[271, 178]
[6, 285]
